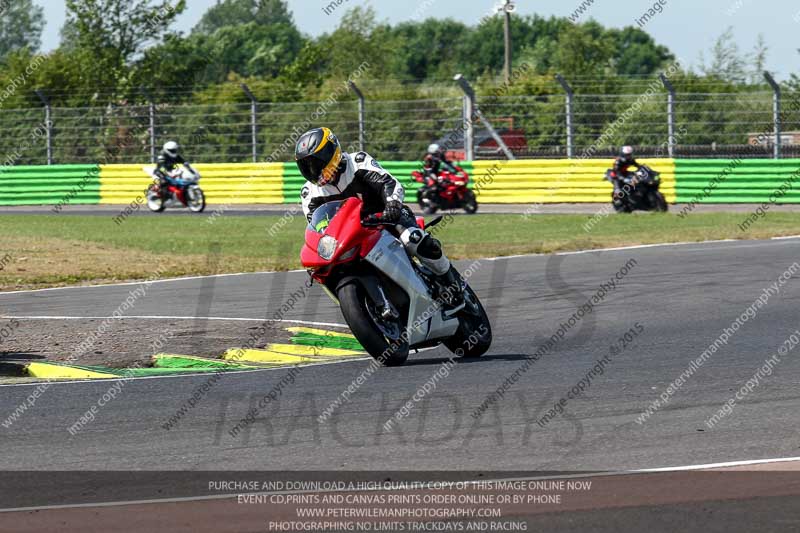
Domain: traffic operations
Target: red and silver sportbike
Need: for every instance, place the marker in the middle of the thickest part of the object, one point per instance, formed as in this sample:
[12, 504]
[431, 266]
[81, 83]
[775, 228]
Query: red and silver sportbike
[184, 191]
[391, 301]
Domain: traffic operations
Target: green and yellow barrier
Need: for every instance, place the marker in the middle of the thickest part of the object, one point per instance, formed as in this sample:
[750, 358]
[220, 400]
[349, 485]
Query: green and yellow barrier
[715, 181]
[55, 184]
[233, 183]
[555, 180]
[518, 182]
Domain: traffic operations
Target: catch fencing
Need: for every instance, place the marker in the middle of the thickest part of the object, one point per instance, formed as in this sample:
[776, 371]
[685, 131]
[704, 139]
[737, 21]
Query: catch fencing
[580, 120]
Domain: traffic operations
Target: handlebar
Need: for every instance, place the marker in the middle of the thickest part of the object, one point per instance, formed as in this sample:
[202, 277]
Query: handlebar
[372, 221]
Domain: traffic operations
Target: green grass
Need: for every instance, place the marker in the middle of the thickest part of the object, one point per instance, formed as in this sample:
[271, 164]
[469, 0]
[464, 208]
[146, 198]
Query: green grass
[47, 250]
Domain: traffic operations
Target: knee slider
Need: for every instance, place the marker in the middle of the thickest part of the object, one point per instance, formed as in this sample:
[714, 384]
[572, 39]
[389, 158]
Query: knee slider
[412, 238]
[430, 248]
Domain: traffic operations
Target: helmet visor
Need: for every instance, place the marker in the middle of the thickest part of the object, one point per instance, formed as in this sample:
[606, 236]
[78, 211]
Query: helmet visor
[320, 168]
[311, 167]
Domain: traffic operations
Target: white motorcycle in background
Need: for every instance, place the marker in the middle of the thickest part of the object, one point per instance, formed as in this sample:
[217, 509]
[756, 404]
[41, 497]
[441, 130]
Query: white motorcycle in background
[183, 192]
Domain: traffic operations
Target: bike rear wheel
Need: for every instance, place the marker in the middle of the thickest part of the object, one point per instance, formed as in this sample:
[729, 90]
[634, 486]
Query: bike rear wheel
[474, 335]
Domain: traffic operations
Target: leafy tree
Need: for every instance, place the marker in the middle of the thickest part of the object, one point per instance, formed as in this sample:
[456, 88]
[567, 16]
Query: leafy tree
[236, 12]
[253, 49]
[309, 66]
[726, 61]
[426, 50]
[582, 51]
[184, 62]
[358, 38]
[21, 25]
[637, 54]
[758, 60]
[114, 32]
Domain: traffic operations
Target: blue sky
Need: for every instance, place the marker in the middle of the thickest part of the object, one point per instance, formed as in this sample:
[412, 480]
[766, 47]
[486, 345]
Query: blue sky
[685, 26]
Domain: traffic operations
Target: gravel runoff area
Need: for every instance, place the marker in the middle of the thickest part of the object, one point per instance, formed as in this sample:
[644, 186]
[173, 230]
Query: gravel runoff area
[131, 341]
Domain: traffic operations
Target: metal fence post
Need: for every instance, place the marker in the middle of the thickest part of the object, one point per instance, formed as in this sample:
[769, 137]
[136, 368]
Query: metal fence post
[776, 113]
[152, 116]
[471, 109]
[48, 122]
[362, 114]
[253, 120]
[569, 111]
[671, 140]
[468, 124]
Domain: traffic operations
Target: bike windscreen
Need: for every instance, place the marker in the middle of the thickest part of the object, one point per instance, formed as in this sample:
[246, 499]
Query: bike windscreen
[323, 215]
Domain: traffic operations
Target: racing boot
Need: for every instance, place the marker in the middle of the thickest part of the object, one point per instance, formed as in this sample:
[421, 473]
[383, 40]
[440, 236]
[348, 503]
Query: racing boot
[449, 287]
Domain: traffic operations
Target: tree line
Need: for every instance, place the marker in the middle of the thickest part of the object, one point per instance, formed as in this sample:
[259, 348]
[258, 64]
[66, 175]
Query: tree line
[117, 51]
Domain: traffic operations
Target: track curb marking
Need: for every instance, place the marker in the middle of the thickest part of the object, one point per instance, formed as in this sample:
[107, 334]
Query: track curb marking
[56, 371]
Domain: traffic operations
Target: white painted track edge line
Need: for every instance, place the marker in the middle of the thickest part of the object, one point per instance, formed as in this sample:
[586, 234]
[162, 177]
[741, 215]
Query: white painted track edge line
[729, 464]
[574, 252]
[143, 281]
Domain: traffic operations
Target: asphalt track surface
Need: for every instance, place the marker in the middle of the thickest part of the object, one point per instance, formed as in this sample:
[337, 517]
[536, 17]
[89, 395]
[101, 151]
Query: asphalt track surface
[682, 295]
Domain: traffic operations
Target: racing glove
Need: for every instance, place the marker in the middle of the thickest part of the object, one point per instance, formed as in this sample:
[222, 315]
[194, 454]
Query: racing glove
[392, 211]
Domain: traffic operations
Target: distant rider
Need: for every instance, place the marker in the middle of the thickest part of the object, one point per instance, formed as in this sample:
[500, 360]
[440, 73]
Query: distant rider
[621, 174]
[168, 160]
[435, 162]
[334, 175]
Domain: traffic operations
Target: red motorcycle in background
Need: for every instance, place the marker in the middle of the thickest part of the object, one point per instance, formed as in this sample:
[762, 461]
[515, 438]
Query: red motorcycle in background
[386, 296]
[449, 191]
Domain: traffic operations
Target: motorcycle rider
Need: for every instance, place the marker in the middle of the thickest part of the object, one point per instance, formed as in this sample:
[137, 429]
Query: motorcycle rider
[435, 161]
[168, 160]
[621, 174]
[334, 175]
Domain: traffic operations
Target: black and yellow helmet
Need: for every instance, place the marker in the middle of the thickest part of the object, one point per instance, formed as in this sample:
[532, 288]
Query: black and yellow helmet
[318, 155]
